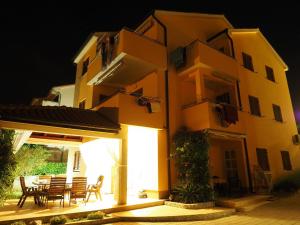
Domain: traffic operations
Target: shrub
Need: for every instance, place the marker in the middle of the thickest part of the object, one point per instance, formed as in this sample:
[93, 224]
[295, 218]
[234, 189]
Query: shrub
[95, 215]
[51, 168]
[7, 164]
[30, 157]
[287, 184]
[18, 223]
[191, 156]
[57, 220]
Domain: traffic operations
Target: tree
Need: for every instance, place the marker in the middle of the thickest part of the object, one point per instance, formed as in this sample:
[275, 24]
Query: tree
[29, 158]
[8, 163]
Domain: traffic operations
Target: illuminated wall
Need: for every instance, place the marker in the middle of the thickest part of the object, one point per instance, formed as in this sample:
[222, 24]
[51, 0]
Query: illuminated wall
[142, 159]
[98, 157]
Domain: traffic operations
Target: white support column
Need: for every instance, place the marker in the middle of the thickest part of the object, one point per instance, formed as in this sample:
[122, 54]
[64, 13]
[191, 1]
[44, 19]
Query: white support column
[121, 179]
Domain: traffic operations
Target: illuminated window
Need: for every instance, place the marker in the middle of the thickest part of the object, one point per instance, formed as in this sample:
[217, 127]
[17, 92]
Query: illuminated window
[286, 161]
[247, 60]
[82, 104]
[262, 159]
[85, 66]
[76, 164]
[270, 73]
[254, 106]
[277, 113]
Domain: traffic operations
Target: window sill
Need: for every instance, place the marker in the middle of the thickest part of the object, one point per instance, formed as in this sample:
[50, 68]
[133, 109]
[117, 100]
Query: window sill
[249, 69]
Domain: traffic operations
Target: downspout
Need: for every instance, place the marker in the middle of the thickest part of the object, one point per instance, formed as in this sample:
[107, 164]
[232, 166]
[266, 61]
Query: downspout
[167, 101]
[248, 166]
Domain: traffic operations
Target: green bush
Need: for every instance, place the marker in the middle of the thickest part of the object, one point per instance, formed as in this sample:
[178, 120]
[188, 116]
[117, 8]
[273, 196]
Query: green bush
[57, 220]
[96, 215]
[51, 168]
[287, 184]
[30, 157]
[7, 164]
[191, 156]
[18, 223]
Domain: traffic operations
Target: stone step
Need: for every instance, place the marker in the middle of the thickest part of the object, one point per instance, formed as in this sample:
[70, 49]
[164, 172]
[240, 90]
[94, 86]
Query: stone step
[251, 206]
[242, 202]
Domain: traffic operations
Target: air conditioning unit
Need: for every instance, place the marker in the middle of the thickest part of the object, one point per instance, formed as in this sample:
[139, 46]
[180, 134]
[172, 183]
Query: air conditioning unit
[296, 139]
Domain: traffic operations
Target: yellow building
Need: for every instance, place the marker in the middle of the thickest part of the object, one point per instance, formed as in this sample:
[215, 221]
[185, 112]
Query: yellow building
[195, 70]
[178, 69]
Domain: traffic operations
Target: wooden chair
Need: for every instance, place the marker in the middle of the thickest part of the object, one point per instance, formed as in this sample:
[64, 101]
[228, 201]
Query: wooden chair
[78, 189]
[56, 190]
[96, 188]
[27, 192]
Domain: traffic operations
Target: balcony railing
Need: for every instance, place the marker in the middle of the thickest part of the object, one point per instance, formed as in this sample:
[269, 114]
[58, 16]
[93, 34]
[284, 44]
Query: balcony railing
[127, 59]
[201, 55]
[205, 115]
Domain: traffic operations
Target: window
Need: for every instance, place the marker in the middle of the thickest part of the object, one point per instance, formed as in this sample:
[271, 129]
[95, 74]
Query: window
[247, 60]
[270, 74]
[277, 113]
[76, 164]
[224, 98]
[285, 155]
[85, 66]
[82, 105]
[262, 159]
[254, 106]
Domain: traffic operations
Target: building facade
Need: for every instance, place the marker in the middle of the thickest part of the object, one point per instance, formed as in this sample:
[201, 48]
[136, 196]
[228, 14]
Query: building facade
[57, 96]
[194, 70]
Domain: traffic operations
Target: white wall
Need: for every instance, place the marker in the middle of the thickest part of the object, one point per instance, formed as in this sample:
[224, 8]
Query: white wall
[142, 159]
[98, 157]
[66, 95]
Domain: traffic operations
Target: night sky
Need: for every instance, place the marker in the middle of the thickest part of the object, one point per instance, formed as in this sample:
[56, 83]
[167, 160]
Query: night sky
[38, 44]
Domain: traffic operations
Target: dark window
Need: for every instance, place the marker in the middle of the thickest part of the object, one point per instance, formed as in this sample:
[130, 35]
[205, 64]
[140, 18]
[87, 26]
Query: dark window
[76, 164]
[102, 97]
[222, 49]
[85, 66]
[277, 113]
[138, 93]
[247, 60]
[262, 159]
[82, 105]
[254, 106]
[270, 74]
[286, 160]
[224, 98]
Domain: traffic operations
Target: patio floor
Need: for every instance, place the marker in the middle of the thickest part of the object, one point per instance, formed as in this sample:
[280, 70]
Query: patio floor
[11, 211]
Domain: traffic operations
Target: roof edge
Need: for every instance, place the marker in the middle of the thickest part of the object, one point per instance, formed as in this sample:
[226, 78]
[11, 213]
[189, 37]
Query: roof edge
[257, 31]
[195, 14]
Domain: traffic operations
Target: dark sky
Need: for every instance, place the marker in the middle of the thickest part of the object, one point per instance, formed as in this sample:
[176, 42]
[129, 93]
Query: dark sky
[38, 44]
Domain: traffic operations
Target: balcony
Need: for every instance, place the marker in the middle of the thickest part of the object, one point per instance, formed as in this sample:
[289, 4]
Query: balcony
[131, 113]
[133, 57]
[204, 116]
[200, 55]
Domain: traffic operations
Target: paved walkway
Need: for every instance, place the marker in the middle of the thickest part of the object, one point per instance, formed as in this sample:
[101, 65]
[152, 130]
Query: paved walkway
[285, 211]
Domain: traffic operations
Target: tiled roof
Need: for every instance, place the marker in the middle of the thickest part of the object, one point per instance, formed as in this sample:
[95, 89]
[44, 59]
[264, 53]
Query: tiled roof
[59, 116]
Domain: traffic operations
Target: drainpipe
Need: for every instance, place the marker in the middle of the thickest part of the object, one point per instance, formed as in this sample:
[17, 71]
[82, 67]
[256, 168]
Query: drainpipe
[248, 166]
[167, 101]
